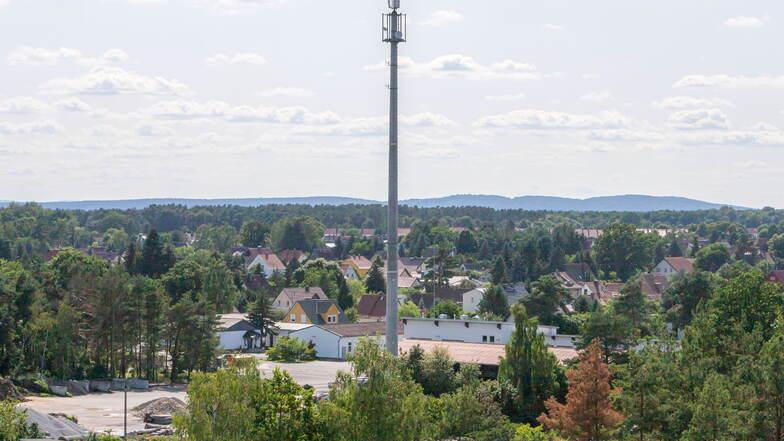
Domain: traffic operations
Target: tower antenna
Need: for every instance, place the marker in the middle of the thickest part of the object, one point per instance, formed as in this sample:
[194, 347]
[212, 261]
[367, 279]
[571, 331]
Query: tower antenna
[393, 32]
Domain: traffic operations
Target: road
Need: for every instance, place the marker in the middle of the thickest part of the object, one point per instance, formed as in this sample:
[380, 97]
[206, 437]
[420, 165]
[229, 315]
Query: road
[104, 412]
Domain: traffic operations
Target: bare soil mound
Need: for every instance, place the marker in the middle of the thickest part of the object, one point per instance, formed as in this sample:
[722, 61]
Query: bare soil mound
[160, 406]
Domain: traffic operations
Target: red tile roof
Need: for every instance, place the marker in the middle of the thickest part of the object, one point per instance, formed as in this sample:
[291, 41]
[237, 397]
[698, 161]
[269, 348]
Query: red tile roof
[372, 306]
[681, 264]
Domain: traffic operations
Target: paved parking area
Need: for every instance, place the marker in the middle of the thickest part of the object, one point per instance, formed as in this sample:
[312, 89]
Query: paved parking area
[102, 412]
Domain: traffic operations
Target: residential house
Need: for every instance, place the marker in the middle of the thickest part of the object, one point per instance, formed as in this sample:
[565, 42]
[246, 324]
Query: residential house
[317, 312]
[654, 285]
[286, 256]
[578, 271]
[341, 340]
[237, 333]
[672, 266]
[372, 307]
[515, 292]
[356, 267]
[424, 302]
[289, 296]
[472, 299]
[264, 258]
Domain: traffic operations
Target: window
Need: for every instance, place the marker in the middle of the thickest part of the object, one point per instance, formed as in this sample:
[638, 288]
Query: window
[349, 347]
[293, 318]
[332, 319]
[484, 339]
[492, 339]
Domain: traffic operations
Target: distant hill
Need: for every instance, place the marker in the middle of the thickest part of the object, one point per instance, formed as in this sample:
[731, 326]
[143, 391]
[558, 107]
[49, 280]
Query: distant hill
[639, 203]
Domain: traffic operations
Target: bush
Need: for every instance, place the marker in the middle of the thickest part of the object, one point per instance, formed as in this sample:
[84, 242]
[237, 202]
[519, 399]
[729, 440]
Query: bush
[291, 350]
[13, 423]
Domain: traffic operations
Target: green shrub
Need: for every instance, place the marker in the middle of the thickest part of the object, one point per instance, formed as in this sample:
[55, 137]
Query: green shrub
[13, 423]
[291, 350]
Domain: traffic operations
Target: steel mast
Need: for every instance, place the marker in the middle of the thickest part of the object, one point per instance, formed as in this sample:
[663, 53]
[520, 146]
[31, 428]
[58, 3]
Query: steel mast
[393, 32]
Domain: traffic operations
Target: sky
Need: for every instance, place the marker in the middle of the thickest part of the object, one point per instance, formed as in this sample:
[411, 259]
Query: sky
[120, 99]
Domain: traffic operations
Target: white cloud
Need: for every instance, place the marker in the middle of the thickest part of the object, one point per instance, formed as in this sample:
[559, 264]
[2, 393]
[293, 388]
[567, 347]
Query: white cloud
[426, 119]
[465, 67]
[442, 18]
[34, 56]
[287, 91]
[744, 22]
[232, 7]
[379, 126]
[751, 138]
[188, 110]
[699, 119]
[597, 97]
[33, 128]
[435, 153]
[238, 58]
[531, 119]
[153, 130]
[3, 3]
[625, 135]
[554, 27]
[729, 81]
[513, 97]
[689, 102]
[72, 104]
[23, 105]
[114, 81]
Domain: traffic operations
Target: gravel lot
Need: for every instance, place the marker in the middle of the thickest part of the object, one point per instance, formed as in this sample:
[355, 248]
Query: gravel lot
[103, 412]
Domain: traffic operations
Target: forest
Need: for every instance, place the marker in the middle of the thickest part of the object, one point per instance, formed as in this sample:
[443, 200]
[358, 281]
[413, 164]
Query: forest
[704, 363]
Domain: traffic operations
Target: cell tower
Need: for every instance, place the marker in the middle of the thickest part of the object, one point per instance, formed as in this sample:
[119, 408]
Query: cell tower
[393, 32]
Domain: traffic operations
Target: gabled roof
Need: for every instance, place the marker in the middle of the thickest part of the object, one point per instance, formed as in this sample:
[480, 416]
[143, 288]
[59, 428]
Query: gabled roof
[360, 262]
[654, 285]
[444, 293]
[372, 306]
[681, 264]
[297, 294]
[286, 256]
[423, 301]
[314, 308]
[271, 260]
[234, 322]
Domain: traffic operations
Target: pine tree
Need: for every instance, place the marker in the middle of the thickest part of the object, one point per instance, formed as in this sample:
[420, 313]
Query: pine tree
[494, 302]
[499, 271]
[131, 259]
[588, 414]
[345, 301]
[152, 256]
[675, 249]
[528, 366]
[374, 281]
[695, 246]
[259, 315]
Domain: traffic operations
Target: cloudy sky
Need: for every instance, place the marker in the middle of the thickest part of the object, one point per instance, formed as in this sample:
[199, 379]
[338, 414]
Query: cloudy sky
[245, 98]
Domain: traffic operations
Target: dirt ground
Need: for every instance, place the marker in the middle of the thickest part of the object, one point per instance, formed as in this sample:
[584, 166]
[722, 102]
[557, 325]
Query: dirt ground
[104, 412]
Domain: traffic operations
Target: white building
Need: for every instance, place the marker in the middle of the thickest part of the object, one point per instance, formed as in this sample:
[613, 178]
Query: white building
[471, 300]
[340, 341]
[672, 266]
[476, 331]
[236, 333]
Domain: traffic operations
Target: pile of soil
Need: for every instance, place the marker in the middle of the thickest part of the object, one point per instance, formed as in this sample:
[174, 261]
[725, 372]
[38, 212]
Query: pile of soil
[160, 406]
[8, 391]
